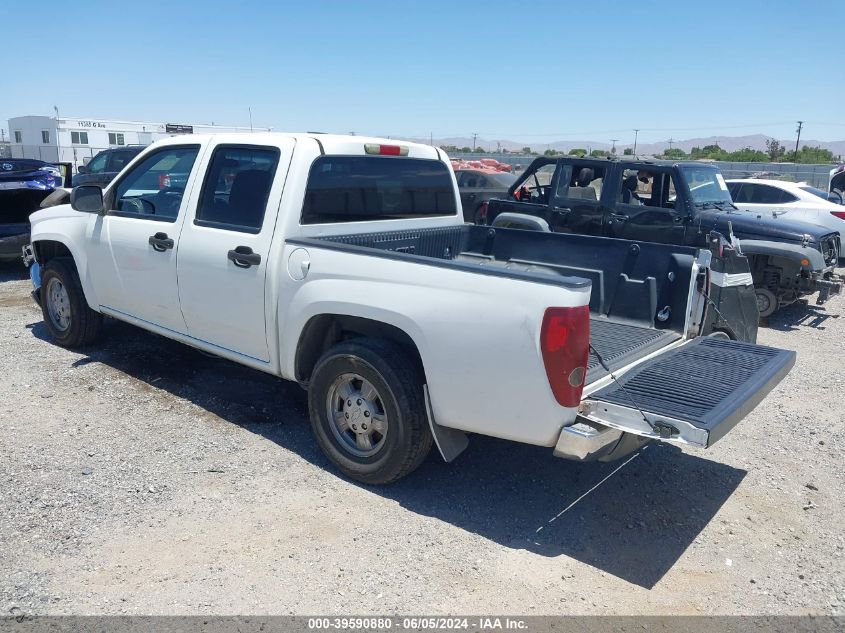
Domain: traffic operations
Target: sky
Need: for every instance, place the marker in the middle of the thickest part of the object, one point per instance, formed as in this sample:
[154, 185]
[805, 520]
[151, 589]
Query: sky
[538, 72]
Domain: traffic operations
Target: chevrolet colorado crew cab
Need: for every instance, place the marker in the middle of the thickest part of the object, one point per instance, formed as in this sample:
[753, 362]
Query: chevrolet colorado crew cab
[676, 203]
[343, 263]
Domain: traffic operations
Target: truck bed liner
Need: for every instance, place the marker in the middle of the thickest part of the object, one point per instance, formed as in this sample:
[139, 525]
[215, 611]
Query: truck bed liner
[620, 344]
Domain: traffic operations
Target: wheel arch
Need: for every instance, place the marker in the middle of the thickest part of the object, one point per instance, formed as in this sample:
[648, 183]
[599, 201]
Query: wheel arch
[48, 248]
[323, 331]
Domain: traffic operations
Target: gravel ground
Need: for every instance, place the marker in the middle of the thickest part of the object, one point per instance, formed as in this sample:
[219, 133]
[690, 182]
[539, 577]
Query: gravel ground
[143, 477]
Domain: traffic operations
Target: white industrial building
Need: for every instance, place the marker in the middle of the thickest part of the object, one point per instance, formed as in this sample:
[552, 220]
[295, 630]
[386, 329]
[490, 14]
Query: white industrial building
[77, 140]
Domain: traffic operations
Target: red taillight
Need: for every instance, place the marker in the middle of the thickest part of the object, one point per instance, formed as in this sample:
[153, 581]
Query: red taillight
[565, 345]
[163, 181]
[838, 214]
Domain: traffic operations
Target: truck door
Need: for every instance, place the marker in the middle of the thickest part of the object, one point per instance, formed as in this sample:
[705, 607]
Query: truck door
[576, 205]
[647, 207]
[133, 247]
[225, 244]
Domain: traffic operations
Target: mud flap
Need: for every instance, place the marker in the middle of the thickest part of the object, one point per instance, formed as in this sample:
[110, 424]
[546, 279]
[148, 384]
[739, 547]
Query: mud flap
[693, 394]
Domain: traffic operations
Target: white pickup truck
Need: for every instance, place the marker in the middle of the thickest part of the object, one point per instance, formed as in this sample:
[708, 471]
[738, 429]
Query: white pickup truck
[343, 263]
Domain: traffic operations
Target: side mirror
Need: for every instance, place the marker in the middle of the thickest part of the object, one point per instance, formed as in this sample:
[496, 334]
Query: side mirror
[87, 199]
[82, 169]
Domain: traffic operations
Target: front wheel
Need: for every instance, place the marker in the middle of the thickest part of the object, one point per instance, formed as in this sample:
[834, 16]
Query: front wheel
[767, 302]
[64, 308]
[367, 410]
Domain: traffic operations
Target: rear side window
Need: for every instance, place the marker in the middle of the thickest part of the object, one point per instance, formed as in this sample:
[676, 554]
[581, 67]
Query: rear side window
[361, 188]
[237, 186]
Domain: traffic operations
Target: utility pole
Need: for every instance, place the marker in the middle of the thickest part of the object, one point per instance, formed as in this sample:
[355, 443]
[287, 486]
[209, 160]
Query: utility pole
[58, 139]
[800, 125]
[431, 138]
[636, 134]
[250, 119]
[613, 145]
[670, 141]
[474, 136]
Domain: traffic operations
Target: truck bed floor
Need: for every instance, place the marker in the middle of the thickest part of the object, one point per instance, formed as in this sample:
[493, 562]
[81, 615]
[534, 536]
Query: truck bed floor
[622, 343]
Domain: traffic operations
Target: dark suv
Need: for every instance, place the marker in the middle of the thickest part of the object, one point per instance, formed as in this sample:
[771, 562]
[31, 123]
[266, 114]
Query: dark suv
[673, 203]
[106, 165]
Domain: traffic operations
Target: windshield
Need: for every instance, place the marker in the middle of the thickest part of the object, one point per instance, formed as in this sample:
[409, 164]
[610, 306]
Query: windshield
[706, 184]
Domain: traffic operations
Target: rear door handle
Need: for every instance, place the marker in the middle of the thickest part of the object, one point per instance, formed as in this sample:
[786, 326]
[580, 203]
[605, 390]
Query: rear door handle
[619, 217]
[243, 257]
[160, 242]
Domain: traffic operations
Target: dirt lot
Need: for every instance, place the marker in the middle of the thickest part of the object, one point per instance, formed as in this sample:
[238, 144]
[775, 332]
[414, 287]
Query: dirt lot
[145, 477]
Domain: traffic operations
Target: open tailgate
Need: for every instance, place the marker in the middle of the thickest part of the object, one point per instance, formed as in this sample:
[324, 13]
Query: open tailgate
[693, 394]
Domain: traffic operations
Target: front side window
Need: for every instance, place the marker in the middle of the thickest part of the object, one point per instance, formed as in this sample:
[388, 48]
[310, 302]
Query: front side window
[363, 188]
[18, 137]
[535, 187]
[153, 189]
[755, 193]
[237, 187]
[45, 136]
[648, 187]
[97, 164]
[79, 138]
[116, 138]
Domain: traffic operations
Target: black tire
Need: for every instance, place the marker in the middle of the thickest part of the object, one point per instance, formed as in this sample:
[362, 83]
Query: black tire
[398, 380]
[767, 302]
[84, 324]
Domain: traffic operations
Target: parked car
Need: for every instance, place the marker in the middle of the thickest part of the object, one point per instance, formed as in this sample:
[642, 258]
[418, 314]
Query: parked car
[676, 203]
[344, 263]
[778, 199]
[24, 183]
[106, 165]
[836, 184]
[477, 186]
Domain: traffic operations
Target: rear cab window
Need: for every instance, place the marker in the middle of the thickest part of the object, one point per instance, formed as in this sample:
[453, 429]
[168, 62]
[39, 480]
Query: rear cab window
[367, 188]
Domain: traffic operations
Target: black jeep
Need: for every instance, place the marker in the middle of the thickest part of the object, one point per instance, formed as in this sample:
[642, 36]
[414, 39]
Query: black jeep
[675, 203]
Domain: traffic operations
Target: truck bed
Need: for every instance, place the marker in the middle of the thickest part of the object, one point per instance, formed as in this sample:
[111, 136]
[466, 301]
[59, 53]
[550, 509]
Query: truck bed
[620, 344]
[631, 281]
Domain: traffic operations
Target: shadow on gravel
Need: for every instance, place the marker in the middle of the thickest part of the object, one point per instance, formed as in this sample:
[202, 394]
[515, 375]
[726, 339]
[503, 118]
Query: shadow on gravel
[799, 314]
[631, 519]
[13, 271]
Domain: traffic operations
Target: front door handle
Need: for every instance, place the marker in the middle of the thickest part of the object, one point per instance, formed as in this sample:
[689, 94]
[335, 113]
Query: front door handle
[619, 217]
[561, 210]
[160, 242]
[243, 257]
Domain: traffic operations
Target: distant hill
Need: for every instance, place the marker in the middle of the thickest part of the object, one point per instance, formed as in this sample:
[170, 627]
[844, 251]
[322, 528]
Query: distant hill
[728, 143]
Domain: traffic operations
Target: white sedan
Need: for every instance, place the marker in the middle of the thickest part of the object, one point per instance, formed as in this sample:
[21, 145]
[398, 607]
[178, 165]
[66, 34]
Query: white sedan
[788, 200]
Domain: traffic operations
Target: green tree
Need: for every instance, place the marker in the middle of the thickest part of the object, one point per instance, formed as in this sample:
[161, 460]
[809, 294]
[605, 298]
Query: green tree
[628, 151]
[578, 152]
[675, 152]
[598, 153]
[527, 150]
[466, 150]
[747, 155]
[480, 150]
[811, 155]
[775, 150]
[551, 152]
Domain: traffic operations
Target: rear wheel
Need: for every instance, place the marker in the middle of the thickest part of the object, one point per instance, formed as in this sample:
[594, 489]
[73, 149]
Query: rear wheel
[64, 308]
[367, 410]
